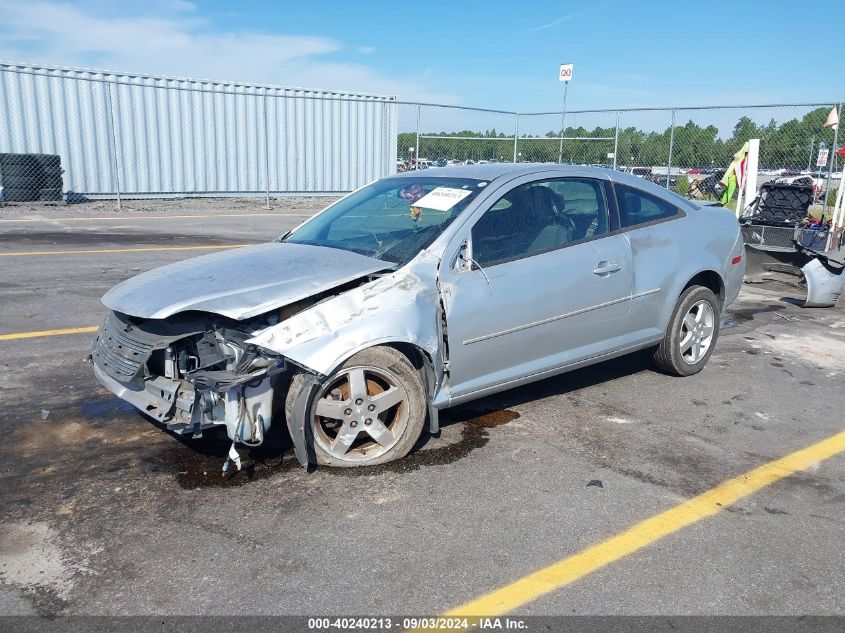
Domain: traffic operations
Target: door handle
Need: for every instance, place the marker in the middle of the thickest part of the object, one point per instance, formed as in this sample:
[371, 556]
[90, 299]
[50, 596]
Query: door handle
[605, 268]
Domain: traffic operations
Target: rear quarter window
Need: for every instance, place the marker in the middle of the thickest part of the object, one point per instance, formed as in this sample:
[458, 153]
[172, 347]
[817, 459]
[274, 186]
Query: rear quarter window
[637, 207]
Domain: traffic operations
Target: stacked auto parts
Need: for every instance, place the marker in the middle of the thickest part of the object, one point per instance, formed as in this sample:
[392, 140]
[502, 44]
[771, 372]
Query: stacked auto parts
[782, 242]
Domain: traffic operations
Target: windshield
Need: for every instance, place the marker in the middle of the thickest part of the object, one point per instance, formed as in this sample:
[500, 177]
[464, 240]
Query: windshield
[391, 219]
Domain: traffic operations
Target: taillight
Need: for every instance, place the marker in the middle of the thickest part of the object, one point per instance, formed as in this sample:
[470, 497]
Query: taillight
[736, 260]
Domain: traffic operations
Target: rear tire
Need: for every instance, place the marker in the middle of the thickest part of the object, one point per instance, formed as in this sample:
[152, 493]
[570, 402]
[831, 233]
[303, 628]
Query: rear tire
[691, 334]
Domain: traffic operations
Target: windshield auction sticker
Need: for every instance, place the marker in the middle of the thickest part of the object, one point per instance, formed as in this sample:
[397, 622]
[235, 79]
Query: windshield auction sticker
[442, 198]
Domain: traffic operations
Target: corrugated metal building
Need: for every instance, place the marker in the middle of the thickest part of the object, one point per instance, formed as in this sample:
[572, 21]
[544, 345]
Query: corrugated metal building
[145, 135]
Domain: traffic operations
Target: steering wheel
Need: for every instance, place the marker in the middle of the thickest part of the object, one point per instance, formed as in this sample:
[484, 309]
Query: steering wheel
[562, 214]
[569, 223]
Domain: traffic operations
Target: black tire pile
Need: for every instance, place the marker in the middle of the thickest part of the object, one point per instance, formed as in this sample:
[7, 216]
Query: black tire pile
[31, 177]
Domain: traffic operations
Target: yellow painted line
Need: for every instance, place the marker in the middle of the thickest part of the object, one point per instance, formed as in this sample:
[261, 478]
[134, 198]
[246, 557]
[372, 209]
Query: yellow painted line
[70, 330]
[568, 570]
[151, 249]
[162, 217]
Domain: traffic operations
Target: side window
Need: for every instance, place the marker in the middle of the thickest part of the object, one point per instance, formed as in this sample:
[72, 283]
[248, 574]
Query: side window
[638, 207]
[540, 216]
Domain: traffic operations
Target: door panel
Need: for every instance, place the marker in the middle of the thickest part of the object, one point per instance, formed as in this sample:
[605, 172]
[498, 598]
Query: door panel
[547, 287]
[528, 315]
[651, 225]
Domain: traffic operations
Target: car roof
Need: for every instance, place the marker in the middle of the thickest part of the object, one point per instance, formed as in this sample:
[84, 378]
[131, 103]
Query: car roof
[492, 171]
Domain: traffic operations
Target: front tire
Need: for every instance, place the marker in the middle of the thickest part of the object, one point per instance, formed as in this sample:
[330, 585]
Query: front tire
[692, 333]
[370, 411]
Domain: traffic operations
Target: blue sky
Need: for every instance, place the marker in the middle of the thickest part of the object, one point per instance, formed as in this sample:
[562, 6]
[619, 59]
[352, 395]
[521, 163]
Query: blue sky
[496, 54]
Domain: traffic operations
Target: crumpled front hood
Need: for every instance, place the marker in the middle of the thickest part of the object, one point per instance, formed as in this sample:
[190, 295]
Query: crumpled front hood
[239, 283]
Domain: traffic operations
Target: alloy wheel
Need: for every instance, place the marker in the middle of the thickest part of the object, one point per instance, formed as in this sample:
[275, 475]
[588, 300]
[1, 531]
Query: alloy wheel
[697, 330]
[360, 414]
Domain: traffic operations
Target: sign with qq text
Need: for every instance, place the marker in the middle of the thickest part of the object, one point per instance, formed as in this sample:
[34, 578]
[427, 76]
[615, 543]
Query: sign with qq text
[566, 72]
[821, 161]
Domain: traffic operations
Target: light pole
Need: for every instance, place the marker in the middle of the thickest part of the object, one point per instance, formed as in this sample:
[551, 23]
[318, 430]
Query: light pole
[810, 157]
[562, 123]
[565, 75]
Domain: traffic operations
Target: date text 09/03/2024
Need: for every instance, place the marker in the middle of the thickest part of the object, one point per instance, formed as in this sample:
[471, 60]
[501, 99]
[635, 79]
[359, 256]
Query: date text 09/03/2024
[416, 623]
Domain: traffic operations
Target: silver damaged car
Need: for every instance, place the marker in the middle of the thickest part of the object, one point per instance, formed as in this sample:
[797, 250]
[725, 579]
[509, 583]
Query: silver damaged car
[416, 293]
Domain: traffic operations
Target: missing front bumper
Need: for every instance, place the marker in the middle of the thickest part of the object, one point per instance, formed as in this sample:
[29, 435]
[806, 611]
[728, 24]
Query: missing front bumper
[164, 399]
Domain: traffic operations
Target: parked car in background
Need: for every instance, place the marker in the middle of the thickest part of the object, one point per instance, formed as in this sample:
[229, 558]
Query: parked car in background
[660, 180]
[707, 186]
[415, 293]
[639, 172]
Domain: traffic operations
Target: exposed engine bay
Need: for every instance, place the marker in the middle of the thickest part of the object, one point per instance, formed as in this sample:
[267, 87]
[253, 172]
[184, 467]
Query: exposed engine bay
[195, 370]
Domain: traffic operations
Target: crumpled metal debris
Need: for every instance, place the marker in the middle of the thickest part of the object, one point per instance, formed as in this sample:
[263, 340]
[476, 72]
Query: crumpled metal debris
[232, 458]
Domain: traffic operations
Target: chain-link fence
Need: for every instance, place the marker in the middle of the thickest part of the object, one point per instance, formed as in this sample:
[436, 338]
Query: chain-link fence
[685, 149]
[71, 135]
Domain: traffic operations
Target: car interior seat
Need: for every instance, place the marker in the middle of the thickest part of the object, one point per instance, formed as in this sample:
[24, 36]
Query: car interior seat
[495, 235]
[549, 227]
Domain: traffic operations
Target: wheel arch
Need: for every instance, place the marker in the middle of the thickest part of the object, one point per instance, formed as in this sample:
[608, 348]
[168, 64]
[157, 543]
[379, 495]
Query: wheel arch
[705, 276]
[709, 279]
[417, 355]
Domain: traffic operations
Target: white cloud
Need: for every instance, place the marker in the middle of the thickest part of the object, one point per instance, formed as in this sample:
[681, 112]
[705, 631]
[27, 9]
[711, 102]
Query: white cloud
[173, 40]
[552, 24]
[565, 18]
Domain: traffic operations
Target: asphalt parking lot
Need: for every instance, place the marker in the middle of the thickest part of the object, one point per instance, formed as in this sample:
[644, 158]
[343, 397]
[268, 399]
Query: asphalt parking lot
[103, 512]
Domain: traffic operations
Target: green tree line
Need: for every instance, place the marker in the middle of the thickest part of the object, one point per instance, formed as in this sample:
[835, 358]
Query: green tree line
[788, 145]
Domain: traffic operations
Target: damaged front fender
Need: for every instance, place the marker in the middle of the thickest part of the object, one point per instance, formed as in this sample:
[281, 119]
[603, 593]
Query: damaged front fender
[400, 307]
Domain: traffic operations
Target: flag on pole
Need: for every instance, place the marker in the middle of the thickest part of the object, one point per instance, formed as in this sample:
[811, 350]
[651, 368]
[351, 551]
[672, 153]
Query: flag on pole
[734, 177]
[832, 120]
[841, 151]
